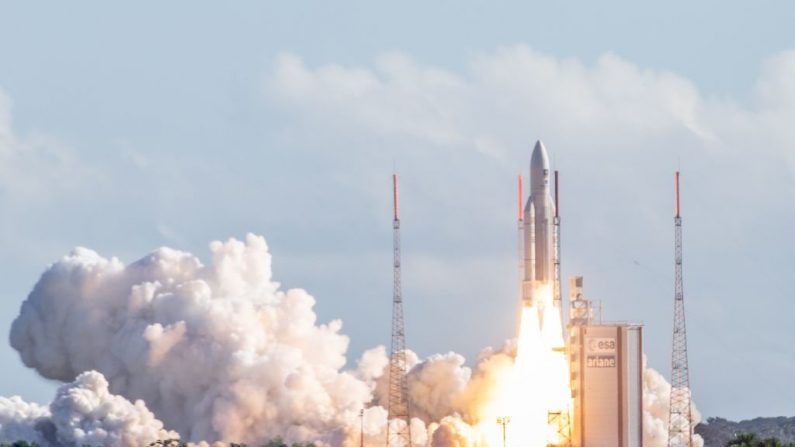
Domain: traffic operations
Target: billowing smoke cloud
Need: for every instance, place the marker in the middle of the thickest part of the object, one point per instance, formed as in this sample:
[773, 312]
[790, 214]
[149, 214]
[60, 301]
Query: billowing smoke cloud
[84, 412]
[218, 352]
[221, 353]
[436, 385]
[451, 431]
[448, 396]
[656, 404]
[18, 420]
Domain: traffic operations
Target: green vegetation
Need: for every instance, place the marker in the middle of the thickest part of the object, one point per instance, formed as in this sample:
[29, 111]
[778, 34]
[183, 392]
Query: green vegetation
[751, 440]
[168, 443]
[278, 442]
[718, 432]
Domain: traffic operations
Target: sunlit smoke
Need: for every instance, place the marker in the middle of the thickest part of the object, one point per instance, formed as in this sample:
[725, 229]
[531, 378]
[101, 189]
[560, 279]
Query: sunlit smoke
[84, 412]
[535, 394]
[220, 352]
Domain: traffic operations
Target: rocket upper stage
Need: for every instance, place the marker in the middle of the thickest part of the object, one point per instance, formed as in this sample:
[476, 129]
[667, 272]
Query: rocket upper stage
[539, 214]
[539, 169]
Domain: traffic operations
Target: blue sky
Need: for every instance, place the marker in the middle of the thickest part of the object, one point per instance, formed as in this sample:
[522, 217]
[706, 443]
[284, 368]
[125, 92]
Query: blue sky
[124, 128]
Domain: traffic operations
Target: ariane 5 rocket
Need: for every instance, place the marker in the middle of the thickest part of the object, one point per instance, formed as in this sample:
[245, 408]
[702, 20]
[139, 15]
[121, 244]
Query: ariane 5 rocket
[540, 260]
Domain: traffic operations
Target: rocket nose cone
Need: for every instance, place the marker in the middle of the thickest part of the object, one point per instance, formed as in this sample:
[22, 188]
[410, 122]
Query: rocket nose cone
[539, 160]
[539, 168]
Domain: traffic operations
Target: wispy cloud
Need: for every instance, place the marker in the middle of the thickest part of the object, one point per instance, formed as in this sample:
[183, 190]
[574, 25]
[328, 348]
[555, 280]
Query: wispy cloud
[36, 166]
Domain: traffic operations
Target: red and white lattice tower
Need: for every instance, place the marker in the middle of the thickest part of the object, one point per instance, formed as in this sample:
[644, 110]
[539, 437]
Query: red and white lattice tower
[680, 429]
[398, 432]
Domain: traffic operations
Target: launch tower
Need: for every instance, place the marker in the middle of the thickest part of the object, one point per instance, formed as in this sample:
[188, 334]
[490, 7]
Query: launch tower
[398, 432]
[680, 430]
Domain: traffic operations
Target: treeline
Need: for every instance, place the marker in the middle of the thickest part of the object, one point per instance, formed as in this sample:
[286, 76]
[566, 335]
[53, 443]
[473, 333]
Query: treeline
[752, 440]
[718, 432]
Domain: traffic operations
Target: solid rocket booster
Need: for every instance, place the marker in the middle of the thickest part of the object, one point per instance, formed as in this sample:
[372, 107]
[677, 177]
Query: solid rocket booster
[539, 213]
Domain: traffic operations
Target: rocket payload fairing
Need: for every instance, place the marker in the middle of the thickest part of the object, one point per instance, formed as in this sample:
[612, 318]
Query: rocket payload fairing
[538, 234]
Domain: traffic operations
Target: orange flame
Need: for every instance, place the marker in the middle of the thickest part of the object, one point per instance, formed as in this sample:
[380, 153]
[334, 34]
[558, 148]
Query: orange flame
[535, 393]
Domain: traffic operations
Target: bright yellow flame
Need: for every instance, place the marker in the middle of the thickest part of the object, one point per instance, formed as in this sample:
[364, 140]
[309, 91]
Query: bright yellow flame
[535, 392]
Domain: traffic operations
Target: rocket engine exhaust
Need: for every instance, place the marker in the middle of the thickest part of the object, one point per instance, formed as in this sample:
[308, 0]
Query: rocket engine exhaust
[543, 400]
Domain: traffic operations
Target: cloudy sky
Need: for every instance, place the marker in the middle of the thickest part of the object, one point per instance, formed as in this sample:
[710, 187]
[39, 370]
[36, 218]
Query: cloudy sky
[127, 128]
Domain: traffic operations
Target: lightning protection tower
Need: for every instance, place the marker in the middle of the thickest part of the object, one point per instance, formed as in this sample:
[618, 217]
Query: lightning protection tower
[680, 430]
[398, 431]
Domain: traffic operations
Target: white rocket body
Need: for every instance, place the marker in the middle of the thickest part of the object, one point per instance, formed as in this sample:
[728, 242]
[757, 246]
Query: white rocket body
[539, 214]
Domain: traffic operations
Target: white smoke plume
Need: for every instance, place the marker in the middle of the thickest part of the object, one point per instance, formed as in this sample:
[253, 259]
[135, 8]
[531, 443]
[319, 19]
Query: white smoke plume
[219, 352]
[18, 420]
[84, 412]
[656, 404]
[449, 397]
[436, 384]
[451, 431]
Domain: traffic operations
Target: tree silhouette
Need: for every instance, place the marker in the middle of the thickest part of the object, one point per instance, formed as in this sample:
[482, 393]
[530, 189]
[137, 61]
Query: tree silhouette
[751, 440]
[168, 443]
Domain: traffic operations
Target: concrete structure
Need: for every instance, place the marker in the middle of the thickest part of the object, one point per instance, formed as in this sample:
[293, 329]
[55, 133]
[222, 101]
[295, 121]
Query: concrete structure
[606, 363]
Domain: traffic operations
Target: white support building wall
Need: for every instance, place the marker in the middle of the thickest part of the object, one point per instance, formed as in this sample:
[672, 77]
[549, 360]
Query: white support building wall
[606, 362]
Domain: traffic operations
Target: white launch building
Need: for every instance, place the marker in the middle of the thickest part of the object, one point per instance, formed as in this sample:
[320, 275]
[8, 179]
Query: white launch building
[606, 364]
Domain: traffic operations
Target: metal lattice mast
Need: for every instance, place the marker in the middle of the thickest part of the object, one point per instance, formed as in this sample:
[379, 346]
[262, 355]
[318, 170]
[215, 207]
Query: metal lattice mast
[520, 254]
[560, 420]
[556, 246]
[680, 430]
[520, 242]
[398, 432]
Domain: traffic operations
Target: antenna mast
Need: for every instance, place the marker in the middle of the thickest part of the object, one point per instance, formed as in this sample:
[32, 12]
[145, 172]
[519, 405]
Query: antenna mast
[398, 432]
[520, 238]
[556, 246]
[680, 429]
